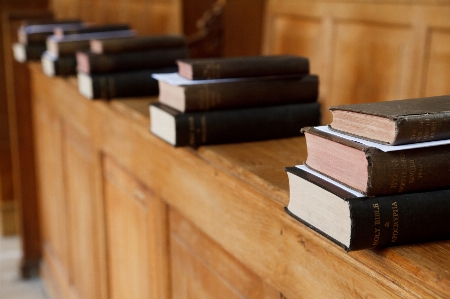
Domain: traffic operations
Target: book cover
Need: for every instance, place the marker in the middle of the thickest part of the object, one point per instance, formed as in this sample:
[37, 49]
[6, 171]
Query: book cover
[27, 52]
[137, 43]
[70, 44]
[237, 67]
[61, 31]
[88, 62]
[356, 222]
[395, 122]
[203, 95]
[230, 126]
[117, 85]
[53, 65]
[375, 172]
[38, 33]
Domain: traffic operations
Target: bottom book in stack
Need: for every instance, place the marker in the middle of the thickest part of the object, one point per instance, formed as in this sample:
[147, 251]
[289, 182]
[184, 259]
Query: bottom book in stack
[355, 221]
[231, 125]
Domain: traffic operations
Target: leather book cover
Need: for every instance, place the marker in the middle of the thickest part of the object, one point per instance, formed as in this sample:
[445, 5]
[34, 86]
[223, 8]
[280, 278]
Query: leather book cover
[388, 220]
[237, 67]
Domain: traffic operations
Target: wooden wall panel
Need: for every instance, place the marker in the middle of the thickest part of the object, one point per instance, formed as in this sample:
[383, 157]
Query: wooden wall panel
[437, 74]
[53, 204]
[136, 237]
[365, 52]
[370, 62]
[147, 17]
[85, 265]
[202, 269]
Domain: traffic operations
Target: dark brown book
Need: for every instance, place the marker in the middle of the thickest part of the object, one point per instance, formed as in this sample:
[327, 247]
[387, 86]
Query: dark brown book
[70, 44]
[373, 171]
[89, 63]
[224, 94]
[118, 85]
[358, 222]
[395, 122]
[238, 67]
[137, 43]
[231, 125]
[61, 31]
[53, 65]
[27, 52]
[35, 34]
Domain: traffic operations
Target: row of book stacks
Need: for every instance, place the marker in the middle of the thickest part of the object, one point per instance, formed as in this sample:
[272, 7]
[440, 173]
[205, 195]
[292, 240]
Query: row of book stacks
[377, 176]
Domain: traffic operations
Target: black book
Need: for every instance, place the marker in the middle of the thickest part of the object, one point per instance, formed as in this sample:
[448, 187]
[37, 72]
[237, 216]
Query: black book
[27, 52]
[117, 85]
[37, 34]
[90, 63]
[230, 126]
[190, 96]
[356, 222]
[53, 65]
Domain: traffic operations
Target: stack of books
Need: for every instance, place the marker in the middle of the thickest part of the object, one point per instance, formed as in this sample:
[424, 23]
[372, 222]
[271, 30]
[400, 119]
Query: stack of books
[227, 100]
[123, 67]
[32, 38]
[378, 175]
[59, 58]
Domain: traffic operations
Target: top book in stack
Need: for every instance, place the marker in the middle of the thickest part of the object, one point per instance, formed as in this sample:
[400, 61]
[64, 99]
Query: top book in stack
[226, 83]
[133, 53]
[395, 122]
[241, 67]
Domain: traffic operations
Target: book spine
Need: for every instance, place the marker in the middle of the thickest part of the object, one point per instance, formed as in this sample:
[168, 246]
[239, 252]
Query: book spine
[251, 93]
[422, 128]
[65, 66]
[120, 45]
[409, 170]
[253, 67]
[100, 63]
[244, 125]
[397, 220]
[34, 51]
[128, 84]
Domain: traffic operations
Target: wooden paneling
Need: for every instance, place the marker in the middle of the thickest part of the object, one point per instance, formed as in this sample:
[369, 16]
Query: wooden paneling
[365, 52]
[202, 269]
[136, 237]
[437, 74]
[85, 263]
[21, 138]
[147, 17]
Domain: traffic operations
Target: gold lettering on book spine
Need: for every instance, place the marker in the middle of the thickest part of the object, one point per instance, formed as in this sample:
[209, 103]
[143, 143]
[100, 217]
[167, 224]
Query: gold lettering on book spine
[208, 98]
[395, 222]
[425, 131]
[377, 221]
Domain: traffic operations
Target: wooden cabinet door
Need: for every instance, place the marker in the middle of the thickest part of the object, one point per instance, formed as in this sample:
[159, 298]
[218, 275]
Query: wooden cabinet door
[202, 269]
[87, 272]
[136, 225]
[52, 200]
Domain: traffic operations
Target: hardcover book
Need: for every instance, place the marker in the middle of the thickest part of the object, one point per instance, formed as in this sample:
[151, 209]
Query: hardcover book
[53, 65]
[70, 44]
[61, 31]
[356, 222]
[137, 43]
[201, 95]
[27, 52]
[123, 84]
[395, 122]
[32, 34]
[90, 63]
[234, 125]
[237, 67]
[376, 170]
